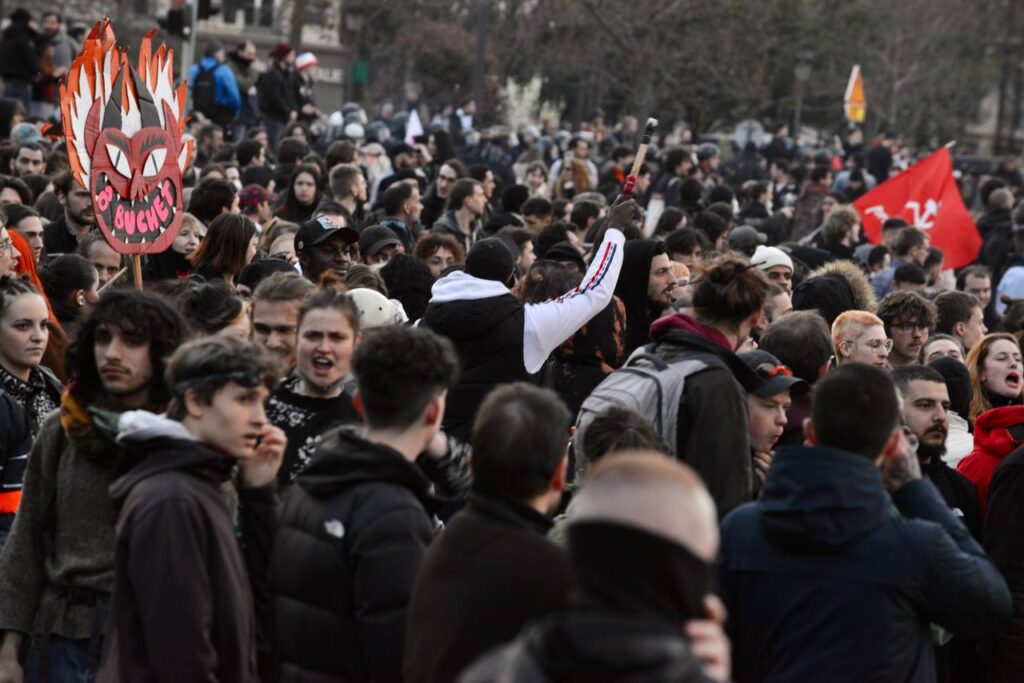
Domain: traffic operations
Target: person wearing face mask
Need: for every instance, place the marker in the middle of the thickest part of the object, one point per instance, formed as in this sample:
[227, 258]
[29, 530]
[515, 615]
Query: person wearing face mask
[821, 556]
[174, 263]
[314, 399]
[859, 337]
[642, 543]
[997, 407]
[769, 404]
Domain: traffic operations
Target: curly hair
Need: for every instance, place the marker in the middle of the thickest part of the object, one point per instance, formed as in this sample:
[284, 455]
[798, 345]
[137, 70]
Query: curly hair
[906, 306]
[145, 315]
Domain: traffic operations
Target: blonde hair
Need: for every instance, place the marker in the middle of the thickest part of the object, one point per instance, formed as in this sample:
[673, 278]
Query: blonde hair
[850, 325]
[976, 365]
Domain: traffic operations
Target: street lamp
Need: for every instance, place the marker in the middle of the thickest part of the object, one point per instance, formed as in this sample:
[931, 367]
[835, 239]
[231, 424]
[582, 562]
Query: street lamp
[802, 73]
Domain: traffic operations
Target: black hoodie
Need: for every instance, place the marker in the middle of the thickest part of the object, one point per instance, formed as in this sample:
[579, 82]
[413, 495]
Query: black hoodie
[352, 532]
[632, 288]
[182, 607]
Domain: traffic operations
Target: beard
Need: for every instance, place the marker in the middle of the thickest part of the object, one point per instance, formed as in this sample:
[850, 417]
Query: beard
[930, 453]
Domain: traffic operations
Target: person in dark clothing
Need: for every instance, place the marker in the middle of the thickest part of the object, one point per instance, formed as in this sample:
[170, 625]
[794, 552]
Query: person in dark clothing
[19, 60]
[314, 399]
[177, 562]
[356, 522]
[926, 405]
[801, 341]
[711, 430]
[822, 581]
[57, 590]
[642, 542]
[61, 237]
[1003, 651]
[277, 92]
[501, 340]
[645, 288]
[493, 560]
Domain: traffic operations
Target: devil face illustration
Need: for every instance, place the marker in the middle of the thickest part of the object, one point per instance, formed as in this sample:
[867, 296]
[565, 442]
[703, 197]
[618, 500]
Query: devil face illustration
[125, 142]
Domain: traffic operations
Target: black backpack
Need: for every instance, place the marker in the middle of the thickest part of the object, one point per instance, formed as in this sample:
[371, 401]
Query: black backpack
[204, 90]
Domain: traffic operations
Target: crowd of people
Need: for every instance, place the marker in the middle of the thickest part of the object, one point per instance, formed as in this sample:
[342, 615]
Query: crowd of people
[447, 407]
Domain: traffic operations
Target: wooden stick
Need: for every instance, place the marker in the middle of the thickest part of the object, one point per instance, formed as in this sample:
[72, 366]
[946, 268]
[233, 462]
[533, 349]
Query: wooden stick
[638, 160]
[113, 281]
[137, 270]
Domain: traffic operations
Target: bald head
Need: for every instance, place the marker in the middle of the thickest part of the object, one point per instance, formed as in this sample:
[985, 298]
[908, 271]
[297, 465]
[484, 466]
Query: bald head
[648, 491]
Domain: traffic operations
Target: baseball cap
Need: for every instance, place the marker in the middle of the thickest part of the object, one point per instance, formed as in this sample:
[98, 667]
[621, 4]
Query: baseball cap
[375, 238]
[375, 309]
[305, 61]
[252, 195]
[775, 377]
[767, 258]
[317, 230]
[745, 237]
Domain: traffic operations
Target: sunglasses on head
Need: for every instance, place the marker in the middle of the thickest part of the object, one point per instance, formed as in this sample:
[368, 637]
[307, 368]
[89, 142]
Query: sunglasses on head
[773, 370]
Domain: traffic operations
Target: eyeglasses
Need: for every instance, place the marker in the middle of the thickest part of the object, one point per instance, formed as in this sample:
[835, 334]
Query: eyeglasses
[909, 327]
[773, 370]
[6, 245]
[876, 344]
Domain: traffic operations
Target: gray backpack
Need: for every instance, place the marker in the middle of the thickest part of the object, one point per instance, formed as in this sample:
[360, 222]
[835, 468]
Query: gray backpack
[647, 384]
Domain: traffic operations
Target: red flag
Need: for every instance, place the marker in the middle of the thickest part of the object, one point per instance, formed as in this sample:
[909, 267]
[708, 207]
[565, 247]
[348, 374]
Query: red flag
[927, 197]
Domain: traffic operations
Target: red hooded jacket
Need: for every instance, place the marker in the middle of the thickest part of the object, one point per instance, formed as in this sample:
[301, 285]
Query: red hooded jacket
[992, 443]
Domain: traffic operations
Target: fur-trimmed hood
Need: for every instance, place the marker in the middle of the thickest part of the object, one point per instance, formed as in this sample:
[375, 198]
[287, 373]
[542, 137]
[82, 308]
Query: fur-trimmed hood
[834, 288]
[863, 294]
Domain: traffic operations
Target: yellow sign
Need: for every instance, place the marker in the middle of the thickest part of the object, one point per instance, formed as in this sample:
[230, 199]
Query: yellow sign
[856, 104]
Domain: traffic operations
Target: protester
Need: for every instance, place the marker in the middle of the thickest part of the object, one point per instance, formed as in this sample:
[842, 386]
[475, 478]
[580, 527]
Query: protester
[911, 246]
[645, 288]
[908, 318]
[705, 418]
[642, 543]
[496, 547]
[462, 220]
[997, 408]
[439, 252]
[213, 87]
[769, 405]
[70, 283]
[793, 544]
[177, 559]
[314, 399]
[27, 222]
[61, 236]
[859, 337]
[356, 523]
[210, 199]
[174, 263]
[275, 318]
[108, 263]
[501, 340]
[326, 244]
[303, 195]
[278, 93]
[229, 245]
[941, 346]
[57, 567]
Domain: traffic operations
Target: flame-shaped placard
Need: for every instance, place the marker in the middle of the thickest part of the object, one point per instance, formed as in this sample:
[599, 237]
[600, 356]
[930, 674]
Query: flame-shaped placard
[124, 127]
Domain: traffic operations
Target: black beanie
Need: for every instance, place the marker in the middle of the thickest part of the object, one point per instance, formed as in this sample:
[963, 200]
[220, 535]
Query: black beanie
[958, 383]
[491, 259]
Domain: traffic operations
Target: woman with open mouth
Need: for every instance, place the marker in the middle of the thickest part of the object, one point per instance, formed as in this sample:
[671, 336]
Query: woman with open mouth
[315, 399]
[997, 408]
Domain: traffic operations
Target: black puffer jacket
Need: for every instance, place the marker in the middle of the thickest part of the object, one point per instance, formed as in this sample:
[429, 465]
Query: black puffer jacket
[351, 535]
[596, 648]
[18, 57]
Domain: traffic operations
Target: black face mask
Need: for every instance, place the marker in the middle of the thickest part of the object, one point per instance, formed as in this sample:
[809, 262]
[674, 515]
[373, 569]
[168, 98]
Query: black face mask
[624, 569]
